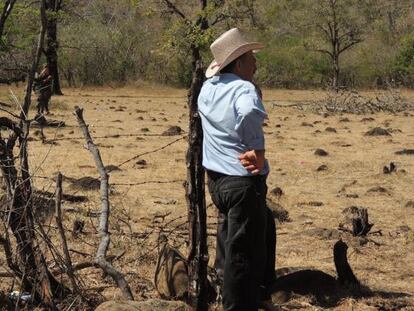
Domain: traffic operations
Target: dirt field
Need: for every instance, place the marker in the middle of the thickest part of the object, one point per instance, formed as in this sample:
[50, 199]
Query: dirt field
[127, 122]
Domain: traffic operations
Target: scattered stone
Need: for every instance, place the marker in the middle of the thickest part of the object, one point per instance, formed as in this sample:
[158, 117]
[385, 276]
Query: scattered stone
[145, 129]
[405, 152]
[140, 118]
[403, 229]
[306, 124]
[277, 191]
[351, 195]
[321, 168]
[148, 305]
[153, 119]
[389, 170]
[279, 213]
[140, 111]
[410, 204]
[378, 189]
[172, 131]
[321, 152]
[344, 120]
[330, 129]
[141, 164]
[311, 203]
[378, 131]
[367, 119]
[278, 125]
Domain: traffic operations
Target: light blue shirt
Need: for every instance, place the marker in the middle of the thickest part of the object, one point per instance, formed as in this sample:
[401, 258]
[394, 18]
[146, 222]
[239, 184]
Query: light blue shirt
[232, 116]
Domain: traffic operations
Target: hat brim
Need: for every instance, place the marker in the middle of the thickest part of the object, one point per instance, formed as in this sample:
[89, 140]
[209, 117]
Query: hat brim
[214, 67]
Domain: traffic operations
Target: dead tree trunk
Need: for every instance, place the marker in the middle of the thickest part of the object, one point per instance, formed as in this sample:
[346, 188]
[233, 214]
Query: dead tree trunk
[360, 224]
[53, 7]
[195, 192]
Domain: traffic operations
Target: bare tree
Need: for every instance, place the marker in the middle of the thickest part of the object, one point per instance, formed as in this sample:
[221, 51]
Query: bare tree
[335, 21]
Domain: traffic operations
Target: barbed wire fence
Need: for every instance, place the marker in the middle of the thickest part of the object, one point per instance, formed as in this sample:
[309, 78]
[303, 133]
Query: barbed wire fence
[146, 239]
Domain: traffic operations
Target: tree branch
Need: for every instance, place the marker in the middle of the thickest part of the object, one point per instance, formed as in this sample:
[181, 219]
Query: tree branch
[8, 7]
[349, 45]
[175, 10]
[58, 217]
[100, 259]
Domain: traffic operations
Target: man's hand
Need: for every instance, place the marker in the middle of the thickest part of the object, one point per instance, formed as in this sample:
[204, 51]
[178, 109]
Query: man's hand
[253, 160]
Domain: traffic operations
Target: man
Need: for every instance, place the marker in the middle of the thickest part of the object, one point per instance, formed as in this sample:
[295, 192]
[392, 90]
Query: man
[232, 116]
[43, 89]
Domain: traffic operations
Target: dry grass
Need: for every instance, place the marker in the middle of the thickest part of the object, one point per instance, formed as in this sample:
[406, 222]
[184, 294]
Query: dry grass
[290, 146]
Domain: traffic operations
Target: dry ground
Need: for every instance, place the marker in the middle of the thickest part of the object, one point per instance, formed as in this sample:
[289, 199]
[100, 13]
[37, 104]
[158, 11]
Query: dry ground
[143, 193]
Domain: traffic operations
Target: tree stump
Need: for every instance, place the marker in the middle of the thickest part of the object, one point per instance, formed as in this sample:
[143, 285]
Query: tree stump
[360, 224]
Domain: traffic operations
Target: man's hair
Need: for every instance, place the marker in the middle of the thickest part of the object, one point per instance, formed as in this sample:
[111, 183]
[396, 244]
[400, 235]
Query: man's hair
[230, 67]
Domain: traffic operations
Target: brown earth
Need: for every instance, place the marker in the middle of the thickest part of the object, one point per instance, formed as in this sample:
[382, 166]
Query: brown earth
[148, 196]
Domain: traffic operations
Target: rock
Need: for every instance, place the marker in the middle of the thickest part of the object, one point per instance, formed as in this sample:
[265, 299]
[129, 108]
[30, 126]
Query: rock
[279, 213]
[172, 131]
[277, 191]
[311, 203]
[145, 129]
[321, 152]
[389, 170]
[403, 229]
[405, 152]
[330, 129]
[321, 168]
[141, 163]
[344, 120]
[378, 189]
[368, 119]
[306, 124]
[378, 131]
[409, 204]
[149, 305]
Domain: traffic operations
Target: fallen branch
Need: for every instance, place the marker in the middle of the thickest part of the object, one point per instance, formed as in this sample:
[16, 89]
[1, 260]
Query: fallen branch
[100, 259]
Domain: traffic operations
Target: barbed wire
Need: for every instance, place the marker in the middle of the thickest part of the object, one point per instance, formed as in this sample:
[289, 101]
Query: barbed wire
[152, 151]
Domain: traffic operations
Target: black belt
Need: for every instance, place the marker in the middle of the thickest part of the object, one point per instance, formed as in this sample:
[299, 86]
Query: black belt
[216, 175]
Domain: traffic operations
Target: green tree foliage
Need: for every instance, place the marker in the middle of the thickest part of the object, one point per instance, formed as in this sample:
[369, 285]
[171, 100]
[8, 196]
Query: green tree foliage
[118, 41]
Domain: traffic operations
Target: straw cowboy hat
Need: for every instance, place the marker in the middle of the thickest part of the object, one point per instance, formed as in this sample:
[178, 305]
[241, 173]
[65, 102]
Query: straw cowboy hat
[229, 46]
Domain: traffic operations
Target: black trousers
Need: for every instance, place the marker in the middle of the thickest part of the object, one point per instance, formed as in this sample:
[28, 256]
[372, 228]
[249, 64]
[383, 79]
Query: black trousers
[246, 239]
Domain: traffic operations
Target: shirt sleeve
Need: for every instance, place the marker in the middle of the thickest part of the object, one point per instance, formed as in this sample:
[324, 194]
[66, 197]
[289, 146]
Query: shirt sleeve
[250, 116]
